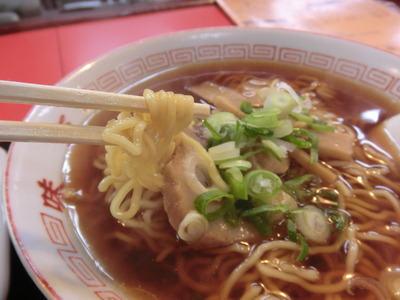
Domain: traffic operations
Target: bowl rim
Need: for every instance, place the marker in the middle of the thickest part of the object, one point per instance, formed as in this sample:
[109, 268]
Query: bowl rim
[90, 69]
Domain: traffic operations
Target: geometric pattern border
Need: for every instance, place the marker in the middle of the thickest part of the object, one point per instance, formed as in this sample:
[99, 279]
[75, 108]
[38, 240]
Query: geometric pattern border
[123, 75]
[55, 228]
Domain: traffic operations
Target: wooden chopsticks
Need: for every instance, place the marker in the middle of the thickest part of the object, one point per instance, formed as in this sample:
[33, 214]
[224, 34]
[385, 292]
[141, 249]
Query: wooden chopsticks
[14, 131]
[27, 93]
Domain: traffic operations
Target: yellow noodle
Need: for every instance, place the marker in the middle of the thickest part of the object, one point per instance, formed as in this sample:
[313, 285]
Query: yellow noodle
[382, 215]
[314, 288]
[355, 201]
[186, 278]
[370, 236]
[143, 144]
[367, 268]
[252, 261]
[352, 249]
[251, 292]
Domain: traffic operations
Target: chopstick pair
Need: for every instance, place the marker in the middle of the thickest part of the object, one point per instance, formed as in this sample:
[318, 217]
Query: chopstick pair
[27, 93]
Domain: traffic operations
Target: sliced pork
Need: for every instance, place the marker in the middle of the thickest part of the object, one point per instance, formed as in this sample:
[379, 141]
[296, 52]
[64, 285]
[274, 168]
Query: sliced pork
[185, 178]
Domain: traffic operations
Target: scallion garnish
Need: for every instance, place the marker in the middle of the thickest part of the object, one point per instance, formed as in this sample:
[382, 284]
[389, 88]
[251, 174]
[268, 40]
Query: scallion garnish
[296, 237]
[224, 151]
[233, 141]
[241, 164]
[264, 118]
[325, 128]
[291, 230]
[283, 101]
[225, 202]
[285, 128]
[305, 139]
[235, 179]
[302, 187]
[339, 217]
[215, 135]
[276, 151]
[302, 117]
[262, 224]
[304, 248]
[246, 107]
[262, 184]
[270, 209]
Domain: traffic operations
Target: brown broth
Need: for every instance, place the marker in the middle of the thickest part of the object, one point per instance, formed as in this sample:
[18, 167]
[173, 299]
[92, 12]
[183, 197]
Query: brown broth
[136, 269]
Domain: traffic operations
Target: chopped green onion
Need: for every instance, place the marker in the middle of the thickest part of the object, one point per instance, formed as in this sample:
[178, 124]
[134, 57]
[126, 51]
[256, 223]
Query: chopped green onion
[215, 135]
[273, 111]
[246, 107]
[291, 229]
[235, 180]
[339, 217]
[295, 237]
[314, 148]
[302, 138]
[283, 85]
[262, 224]
[313, 155]
[253, 132]
[218, 119]
[285, 128]
[313, 224]
[264, 118]
[283, 101]
[246, 134]
[202, 202]
[236, 163]
[222, 127]
[277, 151]
[320, 122]
[306, 139]
[300, 143]
[241, 157]
[251, 153]
[324, 128]
[224, 151]
[302, 117]
[270, 209]
[262, 184]
[304, 248]
[241, 138]
[302, 187]
[262, 221]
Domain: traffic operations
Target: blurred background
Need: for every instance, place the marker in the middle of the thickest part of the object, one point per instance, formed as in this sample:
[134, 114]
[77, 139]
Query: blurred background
[17, 15]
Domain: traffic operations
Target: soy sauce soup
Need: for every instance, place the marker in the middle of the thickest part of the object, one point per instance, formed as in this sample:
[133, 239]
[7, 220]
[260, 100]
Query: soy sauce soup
[123, 254]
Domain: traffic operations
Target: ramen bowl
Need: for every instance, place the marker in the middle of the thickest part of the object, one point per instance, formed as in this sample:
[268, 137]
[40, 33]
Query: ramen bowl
[47, 243]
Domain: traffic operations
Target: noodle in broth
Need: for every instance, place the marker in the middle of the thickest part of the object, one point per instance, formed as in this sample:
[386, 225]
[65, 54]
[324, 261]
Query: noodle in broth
[361, 261]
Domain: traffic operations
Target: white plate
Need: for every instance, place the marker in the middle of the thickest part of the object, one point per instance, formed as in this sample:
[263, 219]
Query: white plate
[46, 244]
[4, 241]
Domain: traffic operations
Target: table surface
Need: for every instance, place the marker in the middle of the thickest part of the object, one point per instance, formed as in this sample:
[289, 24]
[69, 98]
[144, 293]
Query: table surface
[45, 56]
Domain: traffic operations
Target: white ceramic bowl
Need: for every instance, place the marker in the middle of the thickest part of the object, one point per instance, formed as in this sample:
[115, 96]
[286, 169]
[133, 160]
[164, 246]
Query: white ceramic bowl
[47, 245]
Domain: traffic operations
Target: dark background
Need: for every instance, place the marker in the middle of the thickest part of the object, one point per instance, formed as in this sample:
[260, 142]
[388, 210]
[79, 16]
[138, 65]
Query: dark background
[21, 285]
